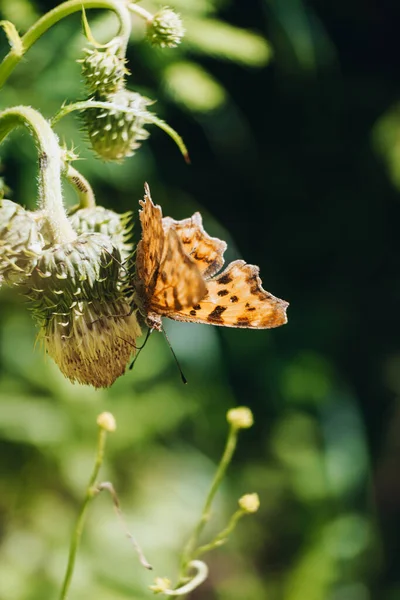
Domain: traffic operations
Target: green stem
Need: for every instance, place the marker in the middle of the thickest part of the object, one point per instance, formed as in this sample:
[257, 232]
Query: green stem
[90, 493]
[82, 188]
[65, 9]
[140, 11]
[50, 191]
[222, 536]
[205, 516]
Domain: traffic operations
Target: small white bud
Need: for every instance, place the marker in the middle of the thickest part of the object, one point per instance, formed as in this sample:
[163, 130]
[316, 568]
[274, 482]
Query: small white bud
[240, 417]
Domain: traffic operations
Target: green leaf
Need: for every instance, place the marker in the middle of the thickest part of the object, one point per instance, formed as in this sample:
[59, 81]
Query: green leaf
[210, 36]
[193, 87]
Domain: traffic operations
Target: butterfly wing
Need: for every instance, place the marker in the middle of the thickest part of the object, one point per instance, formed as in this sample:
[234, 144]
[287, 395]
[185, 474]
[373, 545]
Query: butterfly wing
[235, 298]
[150, 248]
[179, 283]
[206, 251]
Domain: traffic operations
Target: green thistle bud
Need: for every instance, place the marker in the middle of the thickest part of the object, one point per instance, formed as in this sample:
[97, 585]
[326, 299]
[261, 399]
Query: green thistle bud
[103, 71]
[101, 220]
[114, 133]
[165, 29]
[21, 243]
[76, 297]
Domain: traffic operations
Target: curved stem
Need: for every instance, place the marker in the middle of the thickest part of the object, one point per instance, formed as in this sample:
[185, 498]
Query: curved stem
[197, 579]
[193, 540]
[82, 187]
[140, 11]
[56, 14]
[90, 493]
[50, 192]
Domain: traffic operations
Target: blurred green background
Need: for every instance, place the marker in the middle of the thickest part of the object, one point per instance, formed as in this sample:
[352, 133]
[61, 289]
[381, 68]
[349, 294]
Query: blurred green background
[295, 148]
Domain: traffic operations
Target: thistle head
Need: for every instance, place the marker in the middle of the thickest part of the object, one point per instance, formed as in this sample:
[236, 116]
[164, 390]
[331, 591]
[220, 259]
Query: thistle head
[165, 29]
[21, 242]
[116, 132]
[76, 296]
[102, 220]
[103, 71]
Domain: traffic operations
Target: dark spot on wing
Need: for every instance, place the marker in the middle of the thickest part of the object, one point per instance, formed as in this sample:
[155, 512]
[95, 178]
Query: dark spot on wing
[197, 307]
[177, 304]
[242, 322]
[224, 279]
[202, 258]
[215, 315]
[234, 299]
[193, 312]
[222, 292]
[250, 308]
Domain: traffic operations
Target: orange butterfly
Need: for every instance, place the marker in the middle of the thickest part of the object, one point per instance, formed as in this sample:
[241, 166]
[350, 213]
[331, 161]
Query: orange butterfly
[176, 266]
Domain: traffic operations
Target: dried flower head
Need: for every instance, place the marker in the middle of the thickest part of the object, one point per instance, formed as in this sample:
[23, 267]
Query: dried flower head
[115, 133]
[165, 29]
[76, 295]
[21, 242]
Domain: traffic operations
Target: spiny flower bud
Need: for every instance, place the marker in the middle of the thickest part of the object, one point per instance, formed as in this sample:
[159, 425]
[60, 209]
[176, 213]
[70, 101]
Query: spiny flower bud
[103, 71]
[20, 242]
[107, 422]
[102, 220]
[250, 503]
[116, 133]
[240, 417]
[165, 29]
[76, 297]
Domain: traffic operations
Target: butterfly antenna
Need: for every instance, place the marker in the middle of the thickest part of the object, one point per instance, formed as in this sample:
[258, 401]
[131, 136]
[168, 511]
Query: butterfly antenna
[184, 380]
[140, 349]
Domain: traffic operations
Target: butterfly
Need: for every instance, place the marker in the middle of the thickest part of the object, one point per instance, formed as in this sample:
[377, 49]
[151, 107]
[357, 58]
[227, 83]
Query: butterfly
[176, 277]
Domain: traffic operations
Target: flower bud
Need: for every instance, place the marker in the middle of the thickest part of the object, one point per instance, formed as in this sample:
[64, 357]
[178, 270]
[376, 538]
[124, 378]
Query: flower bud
[240, 417]
[107, 422]
[165, 29]
[101, 220]
[162, 584]
[250, 503]
[116, 133]
[21, 243]
[103, 71]
[86, 324]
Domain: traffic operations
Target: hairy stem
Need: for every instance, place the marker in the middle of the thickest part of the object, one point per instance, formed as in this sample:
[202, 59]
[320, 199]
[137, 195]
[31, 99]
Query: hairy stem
[65, 9]
[82, 187]
[50, 191]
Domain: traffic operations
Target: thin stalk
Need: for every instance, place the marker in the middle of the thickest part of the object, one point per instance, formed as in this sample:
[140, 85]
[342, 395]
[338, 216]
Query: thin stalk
[50, 191]
[222, 537]
[55, 15]
[82, 187]
[205, 516]
[91, 491]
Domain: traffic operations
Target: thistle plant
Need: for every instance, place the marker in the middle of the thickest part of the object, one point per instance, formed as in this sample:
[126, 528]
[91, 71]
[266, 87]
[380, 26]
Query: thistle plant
[74, 264]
